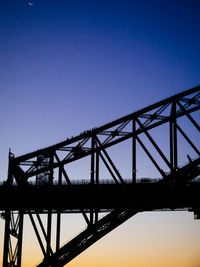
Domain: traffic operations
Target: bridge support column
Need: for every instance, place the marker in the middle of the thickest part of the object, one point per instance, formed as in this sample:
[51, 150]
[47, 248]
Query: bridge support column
[6, 238]
[12, 255]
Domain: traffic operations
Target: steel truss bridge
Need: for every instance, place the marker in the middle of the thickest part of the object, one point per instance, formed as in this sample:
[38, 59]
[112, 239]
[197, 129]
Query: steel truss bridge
[163, 137]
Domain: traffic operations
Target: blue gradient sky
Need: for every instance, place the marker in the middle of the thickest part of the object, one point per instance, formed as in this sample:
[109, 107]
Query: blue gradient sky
[68, 66]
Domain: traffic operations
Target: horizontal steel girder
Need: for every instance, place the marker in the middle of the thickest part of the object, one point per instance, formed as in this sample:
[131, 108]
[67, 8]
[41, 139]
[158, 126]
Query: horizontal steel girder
[103, 196]
[147, 196]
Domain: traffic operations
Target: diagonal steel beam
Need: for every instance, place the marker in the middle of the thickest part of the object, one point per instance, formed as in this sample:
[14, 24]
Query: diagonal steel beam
[154, 143]
[189, 116]
[89, 237]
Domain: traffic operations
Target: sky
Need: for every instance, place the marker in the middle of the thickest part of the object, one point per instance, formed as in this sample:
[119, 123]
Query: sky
[68, 66]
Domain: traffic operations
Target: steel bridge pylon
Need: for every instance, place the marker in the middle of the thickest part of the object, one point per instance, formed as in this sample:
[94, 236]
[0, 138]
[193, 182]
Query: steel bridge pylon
[164, 135]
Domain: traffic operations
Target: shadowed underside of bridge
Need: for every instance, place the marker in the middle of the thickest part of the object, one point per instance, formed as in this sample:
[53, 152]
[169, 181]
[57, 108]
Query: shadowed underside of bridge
[160, 137]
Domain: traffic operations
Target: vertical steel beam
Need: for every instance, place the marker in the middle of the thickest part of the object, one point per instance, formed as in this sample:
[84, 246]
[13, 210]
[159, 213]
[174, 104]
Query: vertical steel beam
[7, 219]
[58, 213]
[60, 176]
[6, 237]
[58, 230]
[96, 178]
[96, 218]
[171, 144]
[92, 160]
[49, 215]
[97, 164]
[51, 169]
[173, 138]
[133, 151]
[92, 174]
[49, 223]
[20, 237]
[91, 216]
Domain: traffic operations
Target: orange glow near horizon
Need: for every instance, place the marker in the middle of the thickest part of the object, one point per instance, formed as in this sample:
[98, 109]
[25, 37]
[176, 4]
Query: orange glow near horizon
[122, 260]
[162, 239]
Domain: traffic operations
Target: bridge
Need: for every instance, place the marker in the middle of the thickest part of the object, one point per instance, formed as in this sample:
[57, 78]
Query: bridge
[161, 140]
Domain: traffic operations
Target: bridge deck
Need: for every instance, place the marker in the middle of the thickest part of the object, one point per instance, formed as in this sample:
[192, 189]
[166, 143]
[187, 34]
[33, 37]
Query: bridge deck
[105, 196]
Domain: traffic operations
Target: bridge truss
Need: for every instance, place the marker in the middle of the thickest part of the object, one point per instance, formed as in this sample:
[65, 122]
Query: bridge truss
[162, 136]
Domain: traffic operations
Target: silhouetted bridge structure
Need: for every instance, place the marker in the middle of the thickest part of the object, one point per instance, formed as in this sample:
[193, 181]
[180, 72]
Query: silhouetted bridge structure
[157, 139]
